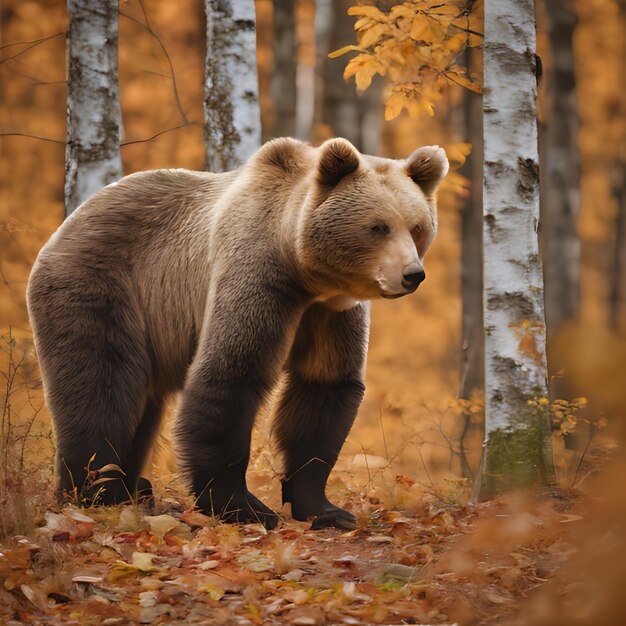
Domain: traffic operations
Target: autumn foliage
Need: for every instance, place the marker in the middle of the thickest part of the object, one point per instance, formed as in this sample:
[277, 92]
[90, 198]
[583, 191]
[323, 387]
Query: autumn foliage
[417, 45]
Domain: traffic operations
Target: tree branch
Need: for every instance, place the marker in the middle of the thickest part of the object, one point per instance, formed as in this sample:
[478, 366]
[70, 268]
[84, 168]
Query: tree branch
[32, 137]
[32, 45]
[148, 27]
[167, 130]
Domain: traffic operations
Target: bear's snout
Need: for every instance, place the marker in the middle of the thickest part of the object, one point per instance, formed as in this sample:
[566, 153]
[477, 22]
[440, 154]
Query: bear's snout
[412, 276]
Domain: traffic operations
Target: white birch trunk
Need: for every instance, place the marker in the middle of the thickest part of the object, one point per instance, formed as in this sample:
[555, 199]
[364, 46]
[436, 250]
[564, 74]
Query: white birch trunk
[232, 118]
[518, 450]
[92, 157]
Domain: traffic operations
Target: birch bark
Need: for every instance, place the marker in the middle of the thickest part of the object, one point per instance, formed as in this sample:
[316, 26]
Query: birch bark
[92, 157]
[232, 118]
[518, 451]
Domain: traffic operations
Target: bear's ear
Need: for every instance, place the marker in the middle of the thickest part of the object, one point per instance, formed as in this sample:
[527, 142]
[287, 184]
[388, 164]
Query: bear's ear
[284, 153]
[338, 158]
[427, 167]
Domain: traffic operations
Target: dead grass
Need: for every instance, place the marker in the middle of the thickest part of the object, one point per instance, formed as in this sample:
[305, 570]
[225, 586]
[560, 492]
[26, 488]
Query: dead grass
[25, 441]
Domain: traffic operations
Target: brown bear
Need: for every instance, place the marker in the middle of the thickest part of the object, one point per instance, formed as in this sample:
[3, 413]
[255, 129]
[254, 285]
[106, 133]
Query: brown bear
[219, 286]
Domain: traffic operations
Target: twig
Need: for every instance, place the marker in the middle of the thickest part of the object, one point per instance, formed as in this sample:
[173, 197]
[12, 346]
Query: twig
[167, 130]
[148, 27]
[32, 45]
[582, 456]
[32, 137]
[382, 430]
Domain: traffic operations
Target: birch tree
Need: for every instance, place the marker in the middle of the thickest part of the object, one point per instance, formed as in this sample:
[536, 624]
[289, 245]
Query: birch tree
[232, 118]
[517, 449]
[92, 158]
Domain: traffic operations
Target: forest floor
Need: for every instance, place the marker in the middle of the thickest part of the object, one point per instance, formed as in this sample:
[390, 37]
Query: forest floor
[439, 560]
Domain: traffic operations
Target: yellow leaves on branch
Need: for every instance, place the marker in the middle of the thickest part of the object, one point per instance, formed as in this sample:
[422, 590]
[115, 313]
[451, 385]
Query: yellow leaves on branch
[363, 68]
[416, 44]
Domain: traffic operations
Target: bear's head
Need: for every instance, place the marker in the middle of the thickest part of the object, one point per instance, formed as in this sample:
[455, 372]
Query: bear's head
[367, 222]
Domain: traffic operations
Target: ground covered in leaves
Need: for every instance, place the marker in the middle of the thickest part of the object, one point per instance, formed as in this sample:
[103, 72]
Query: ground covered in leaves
[439, 563]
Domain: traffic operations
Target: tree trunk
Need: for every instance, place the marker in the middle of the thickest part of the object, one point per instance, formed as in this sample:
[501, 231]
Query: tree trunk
[232, 118]
[473, 366]
[618, 273]
[323, 26]
[345, 112]
[283, 86]
[518, 450]
[561, 172]
[92, 157]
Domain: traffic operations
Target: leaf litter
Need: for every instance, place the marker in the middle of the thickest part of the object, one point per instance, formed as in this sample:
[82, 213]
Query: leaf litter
[431, 563]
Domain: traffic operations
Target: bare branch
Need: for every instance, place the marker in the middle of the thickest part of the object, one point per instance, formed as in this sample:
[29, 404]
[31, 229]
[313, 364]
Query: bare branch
[32, 137]
[32, 45]
[148, 27]
[167, 130]
[37, 81]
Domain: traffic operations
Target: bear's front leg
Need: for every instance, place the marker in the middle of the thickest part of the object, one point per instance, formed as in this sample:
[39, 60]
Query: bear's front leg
[324, 389]
[242, 346]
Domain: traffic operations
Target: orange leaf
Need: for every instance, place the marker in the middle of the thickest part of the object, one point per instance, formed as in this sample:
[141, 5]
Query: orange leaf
[368, 11]
[338, 53]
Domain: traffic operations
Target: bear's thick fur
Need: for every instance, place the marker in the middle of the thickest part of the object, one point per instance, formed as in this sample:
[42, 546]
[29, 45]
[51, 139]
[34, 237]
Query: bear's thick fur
[219, 286]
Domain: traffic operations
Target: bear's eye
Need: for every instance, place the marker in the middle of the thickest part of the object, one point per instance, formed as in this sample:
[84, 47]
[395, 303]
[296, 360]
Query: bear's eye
[417, 230]
[380, 228]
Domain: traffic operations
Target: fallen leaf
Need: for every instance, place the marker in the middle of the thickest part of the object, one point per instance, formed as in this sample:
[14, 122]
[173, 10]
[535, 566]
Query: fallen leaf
[195, 519]
[380, 539]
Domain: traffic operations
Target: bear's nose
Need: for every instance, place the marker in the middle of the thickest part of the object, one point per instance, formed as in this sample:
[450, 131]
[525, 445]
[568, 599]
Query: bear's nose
[412, 276]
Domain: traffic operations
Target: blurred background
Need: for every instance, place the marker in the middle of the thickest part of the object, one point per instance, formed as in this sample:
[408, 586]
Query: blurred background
[422, 413]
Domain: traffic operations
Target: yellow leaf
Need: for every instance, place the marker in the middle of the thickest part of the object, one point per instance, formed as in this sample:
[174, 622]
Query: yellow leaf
[368, 11]
[363, 79]
[363, 68]
[215, 593]
[372, 35]
[338, 53]
[401, 10]
[413, 107]
[363, 22]
[419, 26]
[394, 105]
[464, 81]
[353, 66]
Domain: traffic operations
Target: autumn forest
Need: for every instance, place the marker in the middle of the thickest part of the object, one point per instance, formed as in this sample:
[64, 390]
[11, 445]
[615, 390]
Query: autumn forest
[482, 479]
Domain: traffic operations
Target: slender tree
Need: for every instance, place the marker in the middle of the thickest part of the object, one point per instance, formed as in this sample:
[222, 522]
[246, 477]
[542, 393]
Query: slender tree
[232, 119]
[618, 269]
[283, 85]
[518, 450]
[561, 171]
[92, 158]
[473, 368]
[356, 117]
